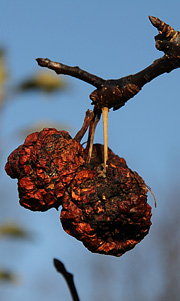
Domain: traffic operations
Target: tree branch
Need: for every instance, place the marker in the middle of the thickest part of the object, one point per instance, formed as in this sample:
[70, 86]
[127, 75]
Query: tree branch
[72, 71]
[115, 93]
[68, 277]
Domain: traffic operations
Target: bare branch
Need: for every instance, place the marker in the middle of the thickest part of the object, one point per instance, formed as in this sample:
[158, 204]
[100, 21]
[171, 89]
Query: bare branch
[115, 93]
[68, 277]
[72, 71]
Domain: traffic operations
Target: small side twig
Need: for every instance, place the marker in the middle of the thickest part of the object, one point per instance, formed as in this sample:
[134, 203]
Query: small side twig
[87, 120]
[92, 128]
[68, 277]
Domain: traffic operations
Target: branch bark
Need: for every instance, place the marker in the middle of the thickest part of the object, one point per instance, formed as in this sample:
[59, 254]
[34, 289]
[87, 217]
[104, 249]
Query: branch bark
[72, 71]
[114, 93]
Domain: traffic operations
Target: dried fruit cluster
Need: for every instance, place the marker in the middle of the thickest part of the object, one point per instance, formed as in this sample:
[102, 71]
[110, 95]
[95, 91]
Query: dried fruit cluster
[44, 165]
[109, 214]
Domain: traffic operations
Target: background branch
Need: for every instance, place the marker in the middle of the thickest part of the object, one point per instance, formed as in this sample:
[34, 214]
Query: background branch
[68, 277]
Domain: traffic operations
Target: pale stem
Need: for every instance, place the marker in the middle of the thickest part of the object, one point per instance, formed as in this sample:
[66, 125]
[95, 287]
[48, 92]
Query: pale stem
[105, 111]
[92, 137]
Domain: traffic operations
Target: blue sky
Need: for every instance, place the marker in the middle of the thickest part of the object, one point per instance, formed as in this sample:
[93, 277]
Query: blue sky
[110, 39]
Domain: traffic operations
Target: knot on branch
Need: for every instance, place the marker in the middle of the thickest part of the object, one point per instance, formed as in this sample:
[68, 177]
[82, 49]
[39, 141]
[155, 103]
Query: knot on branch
[115, 93]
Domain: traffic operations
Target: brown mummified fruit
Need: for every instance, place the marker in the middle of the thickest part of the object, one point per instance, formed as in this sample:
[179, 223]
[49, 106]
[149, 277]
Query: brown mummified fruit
[44, 165]
[109, 215]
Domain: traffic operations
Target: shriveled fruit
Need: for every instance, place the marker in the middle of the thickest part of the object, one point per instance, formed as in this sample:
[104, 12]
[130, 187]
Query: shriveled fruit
[109, 215]
[44, 165]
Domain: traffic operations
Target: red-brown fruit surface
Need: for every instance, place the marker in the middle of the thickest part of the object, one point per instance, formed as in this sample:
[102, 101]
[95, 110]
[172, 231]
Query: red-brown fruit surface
[109, 215]
[44, 165]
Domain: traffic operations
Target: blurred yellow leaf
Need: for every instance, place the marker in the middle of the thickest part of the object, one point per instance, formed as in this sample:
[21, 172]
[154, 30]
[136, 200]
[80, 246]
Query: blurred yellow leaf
[3, 76]
[3, 70]
[43, 81]
[8, 276]
[13, 230]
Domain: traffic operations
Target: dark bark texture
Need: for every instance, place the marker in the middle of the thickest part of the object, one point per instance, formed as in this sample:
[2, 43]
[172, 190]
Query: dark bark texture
[114, 93]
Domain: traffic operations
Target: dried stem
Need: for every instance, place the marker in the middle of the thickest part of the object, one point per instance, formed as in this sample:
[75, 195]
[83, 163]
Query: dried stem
[88, 118]
[105, 111]
[91, 134]
[68, 277]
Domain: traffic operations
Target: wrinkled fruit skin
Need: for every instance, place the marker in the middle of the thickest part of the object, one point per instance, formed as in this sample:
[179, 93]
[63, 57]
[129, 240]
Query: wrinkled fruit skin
[44, 165]
[109, 215]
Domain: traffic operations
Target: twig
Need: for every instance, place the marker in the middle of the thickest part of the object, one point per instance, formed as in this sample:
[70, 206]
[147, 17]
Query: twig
[87, 120]
[68, 277]
[72, 71]
[115, 93]
[92, 129]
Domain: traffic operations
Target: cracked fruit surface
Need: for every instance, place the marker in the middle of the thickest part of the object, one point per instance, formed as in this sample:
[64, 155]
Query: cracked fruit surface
[109, 215]
[107, 211]
[44, 165]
